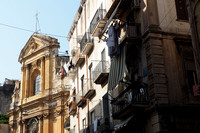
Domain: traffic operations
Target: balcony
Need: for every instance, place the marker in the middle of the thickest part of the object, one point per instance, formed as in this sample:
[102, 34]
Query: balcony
[78, 58]
[80, 99]
[134, 97]
[101, 72]
[88, 89]
[130, 33]
[72, 108]
[98, 22]
[86, 44]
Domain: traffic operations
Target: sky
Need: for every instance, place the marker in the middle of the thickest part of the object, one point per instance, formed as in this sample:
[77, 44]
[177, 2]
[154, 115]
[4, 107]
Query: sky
[55, 17]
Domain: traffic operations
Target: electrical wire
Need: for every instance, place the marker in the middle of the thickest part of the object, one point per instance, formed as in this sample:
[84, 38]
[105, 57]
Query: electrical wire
[23, 29]
[18, 28]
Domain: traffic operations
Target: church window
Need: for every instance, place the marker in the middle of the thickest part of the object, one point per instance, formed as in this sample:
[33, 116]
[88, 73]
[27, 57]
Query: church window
[36, 88]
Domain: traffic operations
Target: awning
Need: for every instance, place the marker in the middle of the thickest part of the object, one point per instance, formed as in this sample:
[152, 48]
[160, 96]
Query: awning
[123, 123]
[117, 69]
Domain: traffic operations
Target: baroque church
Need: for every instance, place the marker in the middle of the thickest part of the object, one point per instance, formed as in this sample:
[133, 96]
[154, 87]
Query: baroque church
[39, 104]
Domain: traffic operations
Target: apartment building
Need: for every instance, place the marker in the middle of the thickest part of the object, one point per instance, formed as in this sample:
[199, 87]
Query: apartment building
[38, 102]
[90, 61]
[157, 89]
[152, 80]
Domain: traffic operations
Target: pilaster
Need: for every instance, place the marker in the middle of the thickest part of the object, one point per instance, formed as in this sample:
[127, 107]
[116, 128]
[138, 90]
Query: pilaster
[42, 75]
[46, 123]
[40, 123]
[22, 89]
[158, 91]
[27, 81]
[47, 71]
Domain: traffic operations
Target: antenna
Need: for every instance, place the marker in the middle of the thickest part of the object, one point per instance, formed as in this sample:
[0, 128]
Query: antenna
[37, 23]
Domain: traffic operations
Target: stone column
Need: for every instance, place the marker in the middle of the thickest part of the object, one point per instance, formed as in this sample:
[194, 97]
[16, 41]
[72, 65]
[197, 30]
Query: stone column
[27, 82]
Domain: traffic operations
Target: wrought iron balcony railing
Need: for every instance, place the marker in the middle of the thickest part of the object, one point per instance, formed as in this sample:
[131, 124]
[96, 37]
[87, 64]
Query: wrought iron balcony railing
[133, 96]
[101, 71]
[80, 99]
[86, 44]
[88, 89]
[98, 22]
[78, 58]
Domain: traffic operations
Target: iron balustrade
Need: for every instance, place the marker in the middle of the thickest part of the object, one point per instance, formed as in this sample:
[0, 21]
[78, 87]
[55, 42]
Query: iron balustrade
[86, 38]
[79, 96]
[134, 95]
[87, 87]
[101, 67]
[78, 58]
[99, 15]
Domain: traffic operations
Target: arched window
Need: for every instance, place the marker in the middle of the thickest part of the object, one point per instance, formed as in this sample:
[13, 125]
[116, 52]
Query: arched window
[36, 88]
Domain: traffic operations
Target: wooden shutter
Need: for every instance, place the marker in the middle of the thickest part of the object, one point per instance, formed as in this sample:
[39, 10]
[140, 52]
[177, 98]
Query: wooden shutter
[181, 10]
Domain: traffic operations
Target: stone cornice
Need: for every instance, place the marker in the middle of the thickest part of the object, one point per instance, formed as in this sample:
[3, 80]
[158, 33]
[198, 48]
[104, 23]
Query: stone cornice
[156, 32]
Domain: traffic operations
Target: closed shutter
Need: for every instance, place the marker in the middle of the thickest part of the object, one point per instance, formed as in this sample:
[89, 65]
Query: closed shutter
[181, 10]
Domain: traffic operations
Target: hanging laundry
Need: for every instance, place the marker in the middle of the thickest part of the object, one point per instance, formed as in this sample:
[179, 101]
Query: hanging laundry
[63, 73]
[66, 67]
[112, 41]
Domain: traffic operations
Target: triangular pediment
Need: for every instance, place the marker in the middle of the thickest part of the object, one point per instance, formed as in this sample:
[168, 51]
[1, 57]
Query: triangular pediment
[35, 43]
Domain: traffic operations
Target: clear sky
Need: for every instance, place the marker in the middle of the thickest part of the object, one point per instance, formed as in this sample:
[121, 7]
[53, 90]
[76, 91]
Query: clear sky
[55, 17]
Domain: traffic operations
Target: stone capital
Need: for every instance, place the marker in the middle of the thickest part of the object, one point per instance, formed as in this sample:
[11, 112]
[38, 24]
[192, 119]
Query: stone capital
[45, 115]
[39, 117]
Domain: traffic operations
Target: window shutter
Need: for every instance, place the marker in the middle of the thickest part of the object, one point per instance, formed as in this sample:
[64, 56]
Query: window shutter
[181, 10]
